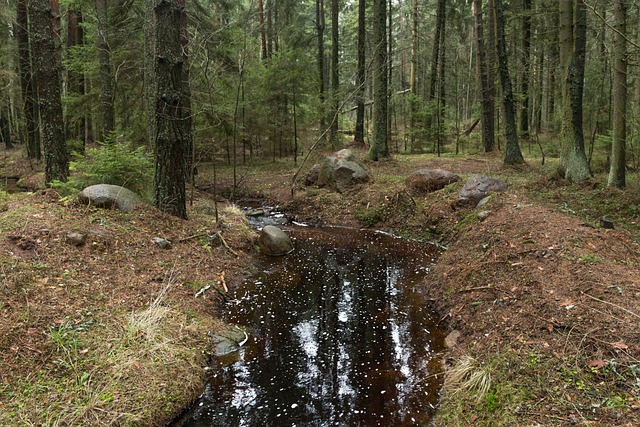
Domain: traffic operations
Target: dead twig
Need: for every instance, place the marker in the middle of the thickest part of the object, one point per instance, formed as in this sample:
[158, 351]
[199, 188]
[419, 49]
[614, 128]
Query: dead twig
[611, 304]
[478, 288]
[224, 242]
[210, 236]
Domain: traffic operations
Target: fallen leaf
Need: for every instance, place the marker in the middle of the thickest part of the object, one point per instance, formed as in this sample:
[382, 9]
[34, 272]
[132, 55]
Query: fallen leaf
[620, 345]
[598, 364]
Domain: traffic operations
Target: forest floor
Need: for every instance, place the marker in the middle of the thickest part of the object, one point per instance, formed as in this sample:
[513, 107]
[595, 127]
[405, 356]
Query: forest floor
[545, 302]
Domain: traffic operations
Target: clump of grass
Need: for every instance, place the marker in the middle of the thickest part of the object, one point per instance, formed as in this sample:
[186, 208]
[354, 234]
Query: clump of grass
[469, 377]
[232, 210]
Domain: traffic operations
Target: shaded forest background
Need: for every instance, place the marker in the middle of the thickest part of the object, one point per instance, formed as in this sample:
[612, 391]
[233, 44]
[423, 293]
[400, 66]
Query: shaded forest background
[274, 79]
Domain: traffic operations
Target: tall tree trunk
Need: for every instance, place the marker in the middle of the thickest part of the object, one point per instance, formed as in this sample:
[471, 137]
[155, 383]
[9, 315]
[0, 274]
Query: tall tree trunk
[553, 69]
[573, 39]
[441, 79]
[27, 81]
[617, 172]
[491, 61]
[636, 109]
[5, 131]
[270, 35]
[47, 75]
[487, 98]
[75, 80]
[413, 74]
[335, 74]
[513, 155]
[390, 102]
[526, 65]
[320, 61]
[435, 58]
[169, 124]
[379, 143]
[263, 30]
[104, 59]
[360, 81]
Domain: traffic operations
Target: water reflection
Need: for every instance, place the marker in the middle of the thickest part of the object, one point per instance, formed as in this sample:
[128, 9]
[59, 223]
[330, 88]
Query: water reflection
[339, 338]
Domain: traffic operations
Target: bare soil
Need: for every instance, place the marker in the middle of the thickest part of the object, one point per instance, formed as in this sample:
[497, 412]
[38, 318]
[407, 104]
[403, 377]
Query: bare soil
[545, 302]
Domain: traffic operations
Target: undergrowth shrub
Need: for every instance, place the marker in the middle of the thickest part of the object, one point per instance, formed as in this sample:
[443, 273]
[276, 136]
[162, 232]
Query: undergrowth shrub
[115, 162]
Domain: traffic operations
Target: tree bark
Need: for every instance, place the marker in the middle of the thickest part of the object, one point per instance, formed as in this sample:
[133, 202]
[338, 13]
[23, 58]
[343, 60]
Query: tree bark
[75, 80]
[47, 75]
[413, 73]
[335, 74]
[263, 31]
[435, 58]
[617, 172]
[379, 144]
[27, 81]
[104, 60]
[491, 61]
[170, 122]
[526, 67]
[320, 62]
[513, 155]
[360, 80]
[573, 39]
[5, 131]
[487, 98]
[413, 76]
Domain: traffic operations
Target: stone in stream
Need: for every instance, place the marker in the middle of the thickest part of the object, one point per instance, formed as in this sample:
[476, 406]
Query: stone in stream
[228, 339]
[274, 241]
[110, 196]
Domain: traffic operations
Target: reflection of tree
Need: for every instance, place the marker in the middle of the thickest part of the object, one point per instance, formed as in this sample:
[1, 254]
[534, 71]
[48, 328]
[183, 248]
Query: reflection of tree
[325, 347]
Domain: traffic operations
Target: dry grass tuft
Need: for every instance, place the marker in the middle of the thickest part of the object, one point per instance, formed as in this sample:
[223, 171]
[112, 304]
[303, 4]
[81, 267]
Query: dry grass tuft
[467, 376]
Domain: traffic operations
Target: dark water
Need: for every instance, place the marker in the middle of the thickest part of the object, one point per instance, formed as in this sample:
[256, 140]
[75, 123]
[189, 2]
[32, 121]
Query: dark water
[338, 338]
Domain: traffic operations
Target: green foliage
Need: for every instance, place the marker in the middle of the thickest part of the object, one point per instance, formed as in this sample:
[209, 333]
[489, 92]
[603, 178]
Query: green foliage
[116, 162]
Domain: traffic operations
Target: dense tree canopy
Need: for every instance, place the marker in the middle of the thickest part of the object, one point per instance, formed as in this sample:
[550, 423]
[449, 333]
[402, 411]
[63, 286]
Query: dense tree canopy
[269, 78]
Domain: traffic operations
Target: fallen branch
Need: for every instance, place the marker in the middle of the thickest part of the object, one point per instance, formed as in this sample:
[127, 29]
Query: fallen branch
[224, 242]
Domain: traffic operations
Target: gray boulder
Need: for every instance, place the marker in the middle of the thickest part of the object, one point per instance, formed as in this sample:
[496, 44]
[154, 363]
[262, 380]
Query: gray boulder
[342, 170]
[273, 241]
[76, 239]
[424, 181]
[110, 196]
[312, 175]
[477, 188]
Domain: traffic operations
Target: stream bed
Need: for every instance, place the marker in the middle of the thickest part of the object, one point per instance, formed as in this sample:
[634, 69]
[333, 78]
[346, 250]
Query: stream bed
[337, 335]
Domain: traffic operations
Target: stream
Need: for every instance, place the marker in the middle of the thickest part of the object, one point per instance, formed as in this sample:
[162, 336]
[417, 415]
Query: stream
[336, 336]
